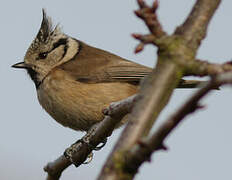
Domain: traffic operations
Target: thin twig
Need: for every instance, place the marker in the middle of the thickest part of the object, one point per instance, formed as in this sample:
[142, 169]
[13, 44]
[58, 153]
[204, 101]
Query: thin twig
[155, 94]
[149, 15]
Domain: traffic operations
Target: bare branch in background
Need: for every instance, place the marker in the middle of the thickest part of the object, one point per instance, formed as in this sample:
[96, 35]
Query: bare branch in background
[144, 149]
[149, 16]
[173, 52]
[204, 68]
[193, 30]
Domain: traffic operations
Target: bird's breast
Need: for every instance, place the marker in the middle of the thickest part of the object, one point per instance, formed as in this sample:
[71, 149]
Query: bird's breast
[76, 104]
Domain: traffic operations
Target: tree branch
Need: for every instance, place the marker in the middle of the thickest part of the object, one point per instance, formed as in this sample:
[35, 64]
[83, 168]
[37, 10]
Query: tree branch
[194, 28]
[154, 94]
[204, 68]
[142, 151]
[149, 16]
[158, 87]
[80, 150]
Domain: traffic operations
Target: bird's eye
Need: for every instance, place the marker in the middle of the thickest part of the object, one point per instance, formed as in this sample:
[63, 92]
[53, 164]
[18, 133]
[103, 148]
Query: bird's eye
[43, 55]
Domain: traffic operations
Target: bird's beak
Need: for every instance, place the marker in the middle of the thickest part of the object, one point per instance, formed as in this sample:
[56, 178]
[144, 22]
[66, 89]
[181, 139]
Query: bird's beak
[22, 65]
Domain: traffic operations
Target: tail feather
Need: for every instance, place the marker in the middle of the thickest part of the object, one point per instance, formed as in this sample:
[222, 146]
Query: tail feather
[192, 84]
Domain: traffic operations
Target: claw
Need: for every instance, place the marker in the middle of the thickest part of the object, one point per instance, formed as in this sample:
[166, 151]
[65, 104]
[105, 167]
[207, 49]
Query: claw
[68, 153]
[103, 143]
[89, 158]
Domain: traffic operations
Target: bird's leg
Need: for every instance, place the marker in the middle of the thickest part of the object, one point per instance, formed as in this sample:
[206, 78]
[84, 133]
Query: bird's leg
[74, 148]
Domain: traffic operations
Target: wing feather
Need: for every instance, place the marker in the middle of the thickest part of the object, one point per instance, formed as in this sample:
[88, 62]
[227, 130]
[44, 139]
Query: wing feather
[93, 65]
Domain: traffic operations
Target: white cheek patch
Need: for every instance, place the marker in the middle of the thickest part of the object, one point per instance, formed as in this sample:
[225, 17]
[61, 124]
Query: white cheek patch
[56, 56]
[72, 50]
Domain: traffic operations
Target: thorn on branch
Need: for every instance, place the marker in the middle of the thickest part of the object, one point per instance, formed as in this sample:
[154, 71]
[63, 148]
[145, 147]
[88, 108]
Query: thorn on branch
[138, 13]
[139, 47]
[149, 16]
[137, 36]
[142, 4]
[199, 106]
[145, 145]
[154, 6]
[163, 147]
[144, 39]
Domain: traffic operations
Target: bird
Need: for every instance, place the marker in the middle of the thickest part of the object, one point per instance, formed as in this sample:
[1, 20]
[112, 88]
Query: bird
[75, 81]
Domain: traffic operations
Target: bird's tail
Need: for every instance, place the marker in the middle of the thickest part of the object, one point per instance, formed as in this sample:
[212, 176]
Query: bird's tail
[191, 83]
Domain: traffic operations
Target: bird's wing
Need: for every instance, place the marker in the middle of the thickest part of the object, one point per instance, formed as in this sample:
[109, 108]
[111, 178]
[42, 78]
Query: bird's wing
[93, 65]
